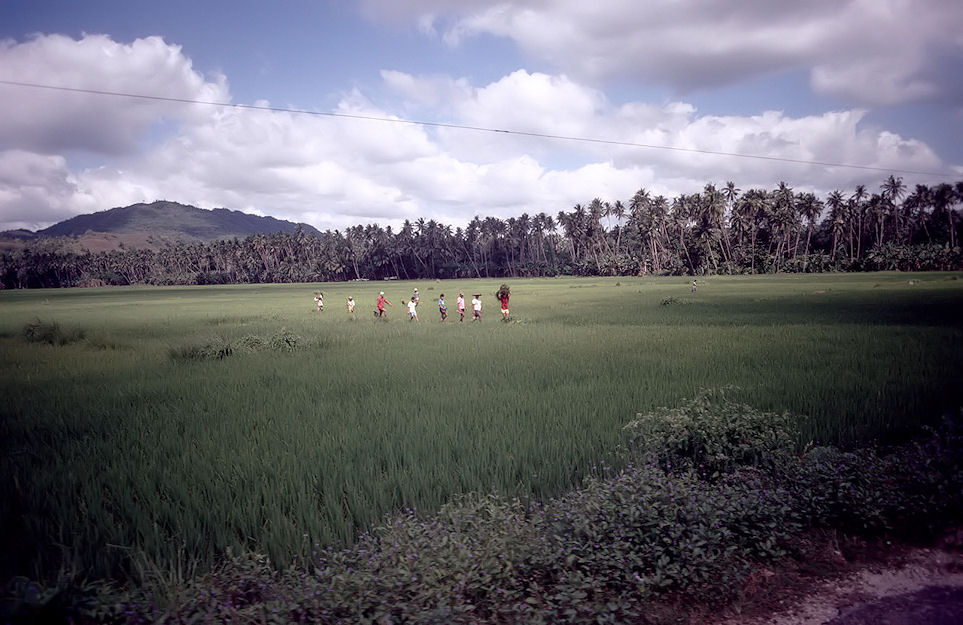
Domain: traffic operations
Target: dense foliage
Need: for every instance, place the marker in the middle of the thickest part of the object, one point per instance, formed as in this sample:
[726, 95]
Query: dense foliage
[157, 428]
[717, 231]
[614, 550]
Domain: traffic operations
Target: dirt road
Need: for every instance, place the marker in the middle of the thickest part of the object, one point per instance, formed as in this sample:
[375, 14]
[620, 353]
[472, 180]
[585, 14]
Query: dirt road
[924, 588]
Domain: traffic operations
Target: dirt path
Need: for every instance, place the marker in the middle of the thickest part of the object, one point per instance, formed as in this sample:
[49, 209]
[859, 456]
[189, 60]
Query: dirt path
[925, 587]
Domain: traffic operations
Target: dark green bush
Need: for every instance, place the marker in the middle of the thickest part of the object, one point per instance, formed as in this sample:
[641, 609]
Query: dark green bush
[910, 490]
[51, 333]
[660, 529]
[712, 435]
[216, 349]
[285, 341]
[251, 342]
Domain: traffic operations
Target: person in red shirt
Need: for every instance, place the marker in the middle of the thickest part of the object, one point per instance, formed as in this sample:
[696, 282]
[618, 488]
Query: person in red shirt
[382, 300]
[503, 297]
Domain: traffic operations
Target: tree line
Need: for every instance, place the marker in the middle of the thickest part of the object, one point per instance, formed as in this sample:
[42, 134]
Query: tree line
[717, 231]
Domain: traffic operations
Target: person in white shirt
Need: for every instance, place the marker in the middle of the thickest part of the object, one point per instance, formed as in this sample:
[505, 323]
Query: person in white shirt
[476, 307]
[460, 304]
[412, 310]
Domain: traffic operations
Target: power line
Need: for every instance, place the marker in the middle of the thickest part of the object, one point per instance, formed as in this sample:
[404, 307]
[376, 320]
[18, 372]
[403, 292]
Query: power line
[521, 133]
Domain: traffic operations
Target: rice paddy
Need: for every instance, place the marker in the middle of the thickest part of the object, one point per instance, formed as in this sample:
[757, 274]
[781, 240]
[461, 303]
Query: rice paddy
[152, 429]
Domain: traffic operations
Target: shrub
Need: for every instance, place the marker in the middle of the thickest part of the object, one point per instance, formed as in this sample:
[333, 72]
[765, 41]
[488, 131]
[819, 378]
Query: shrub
[251, 342]
[909, 490]
[51, 333]
[216, 349]
[712, 434]
[285, 341]
[608, 551]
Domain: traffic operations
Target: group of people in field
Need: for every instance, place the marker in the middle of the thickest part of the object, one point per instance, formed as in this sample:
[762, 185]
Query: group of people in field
[503, 295]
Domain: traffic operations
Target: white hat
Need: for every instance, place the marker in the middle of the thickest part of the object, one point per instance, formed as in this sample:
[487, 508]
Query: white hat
[382, 293]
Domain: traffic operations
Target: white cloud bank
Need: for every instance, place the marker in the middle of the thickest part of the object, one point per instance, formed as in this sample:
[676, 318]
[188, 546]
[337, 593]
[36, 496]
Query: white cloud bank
[868, 52]
[67, 153]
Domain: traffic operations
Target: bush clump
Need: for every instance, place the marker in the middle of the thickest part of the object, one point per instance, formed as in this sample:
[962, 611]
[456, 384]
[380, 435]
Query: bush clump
[216, 349]
[713, 435]
[50, 333]
[660, 531]
[285, 341]
[251, 342]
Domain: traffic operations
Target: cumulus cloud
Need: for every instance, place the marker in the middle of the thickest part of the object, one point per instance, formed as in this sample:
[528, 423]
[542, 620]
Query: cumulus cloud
[864, 51]
[52, 121]
[367, 165]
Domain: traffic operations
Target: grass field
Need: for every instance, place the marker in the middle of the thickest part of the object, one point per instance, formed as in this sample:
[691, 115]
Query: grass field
[127, 446]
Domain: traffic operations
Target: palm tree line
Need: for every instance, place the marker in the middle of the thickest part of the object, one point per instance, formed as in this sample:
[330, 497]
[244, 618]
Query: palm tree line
[720, 230]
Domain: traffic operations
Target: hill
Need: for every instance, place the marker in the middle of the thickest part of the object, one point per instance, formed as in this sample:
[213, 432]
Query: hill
[150, 225]
[171, 220]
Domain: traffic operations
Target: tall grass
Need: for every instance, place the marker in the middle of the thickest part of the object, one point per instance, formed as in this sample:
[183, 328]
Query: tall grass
[124, 452]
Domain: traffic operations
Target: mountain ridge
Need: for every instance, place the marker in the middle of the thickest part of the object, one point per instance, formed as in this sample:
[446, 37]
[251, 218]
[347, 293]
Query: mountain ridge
[166, 219]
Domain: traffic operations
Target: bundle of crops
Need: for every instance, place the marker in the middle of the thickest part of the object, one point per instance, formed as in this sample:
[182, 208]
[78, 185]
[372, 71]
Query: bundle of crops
[503, 291]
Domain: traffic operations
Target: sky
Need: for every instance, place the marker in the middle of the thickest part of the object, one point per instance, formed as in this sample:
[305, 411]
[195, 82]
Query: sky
[336, 113]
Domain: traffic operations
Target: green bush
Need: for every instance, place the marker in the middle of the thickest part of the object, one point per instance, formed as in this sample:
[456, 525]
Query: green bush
[285, 341]
[216, 349]
[51, 333]
[609, 551]
[910, 490]
[251, 342]
[712, 434]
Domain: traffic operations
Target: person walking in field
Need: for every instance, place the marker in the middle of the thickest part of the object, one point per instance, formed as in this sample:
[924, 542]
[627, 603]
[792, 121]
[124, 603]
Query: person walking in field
[476, 308]
[382, 300]
[416, 297]
[695, 287]
[460, 305]
[504, 293]
[351, 306]
[442, 308]
[412, 310]
[319, 300]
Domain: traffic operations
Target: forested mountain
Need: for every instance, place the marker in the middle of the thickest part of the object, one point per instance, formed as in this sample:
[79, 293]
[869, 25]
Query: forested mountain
[717, 231]
[170, 220]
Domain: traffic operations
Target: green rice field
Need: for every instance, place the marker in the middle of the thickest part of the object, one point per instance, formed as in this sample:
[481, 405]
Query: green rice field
[151, 429]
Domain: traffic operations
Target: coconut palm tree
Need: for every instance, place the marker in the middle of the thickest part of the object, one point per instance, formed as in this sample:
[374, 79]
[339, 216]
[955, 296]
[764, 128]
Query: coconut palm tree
[837, 217]
[755, 208]
[730, 193]
[810, 207]
[618, 211]
[892, 191]
[943, 198]
[857, 213]
[917, 206]
[783, 218]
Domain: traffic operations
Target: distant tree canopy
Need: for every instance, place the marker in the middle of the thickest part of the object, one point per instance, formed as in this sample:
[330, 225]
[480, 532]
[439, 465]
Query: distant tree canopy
[718, 231]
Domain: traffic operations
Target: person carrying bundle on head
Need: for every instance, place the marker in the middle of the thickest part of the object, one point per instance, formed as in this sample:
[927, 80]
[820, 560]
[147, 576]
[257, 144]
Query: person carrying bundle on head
[503, 294]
